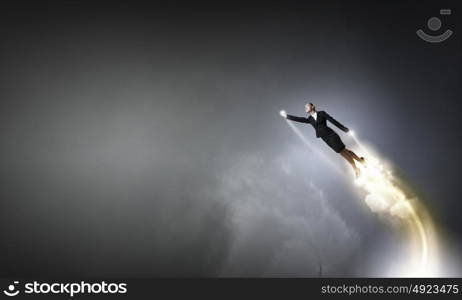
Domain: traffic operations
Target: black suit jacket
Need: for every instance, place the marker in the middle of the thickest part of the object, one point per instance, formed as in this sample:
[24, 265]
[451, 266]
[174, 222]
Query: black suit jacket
[320, 124]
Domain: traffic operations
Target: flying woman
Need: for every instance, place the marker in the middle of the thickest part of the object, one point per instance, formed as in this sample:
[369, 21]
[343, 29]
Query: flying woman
[318, 119]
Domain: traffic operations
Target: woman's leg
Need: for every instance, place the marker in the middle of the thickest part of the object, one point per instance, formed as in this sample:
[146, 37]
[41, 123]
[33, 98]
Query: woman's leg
[347, 155]
[355, 157]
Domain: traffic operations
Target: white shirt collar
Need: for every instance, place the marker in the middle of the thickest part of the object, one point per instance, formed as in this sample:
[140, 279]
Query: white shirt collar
[315, 115]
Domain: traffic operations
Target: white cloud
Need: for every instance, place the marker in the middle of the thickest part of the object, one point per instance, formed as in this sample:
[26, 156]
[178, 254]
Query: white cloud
[281, 221]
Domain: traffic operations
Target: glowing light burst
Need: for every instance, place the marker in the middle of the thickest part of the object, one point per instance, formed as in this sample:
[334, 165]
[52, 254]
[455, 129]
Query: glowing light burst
[387, 196]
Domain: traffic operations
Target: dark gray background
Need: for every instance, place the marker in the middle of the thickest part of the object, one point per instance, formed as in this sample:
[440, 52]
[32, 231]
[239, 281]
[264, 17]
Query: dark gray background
[144, 139]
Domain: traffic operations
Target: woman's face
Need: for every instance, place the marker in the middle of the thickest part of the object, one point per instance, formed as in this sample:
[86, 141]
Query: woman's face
[308, 108]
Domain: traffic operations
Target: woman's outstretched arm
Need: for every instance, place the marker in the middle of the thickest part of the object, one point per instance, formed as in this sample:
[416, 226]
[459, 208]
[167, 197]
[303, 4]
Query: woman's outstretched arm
[336, 123]
[297, 119]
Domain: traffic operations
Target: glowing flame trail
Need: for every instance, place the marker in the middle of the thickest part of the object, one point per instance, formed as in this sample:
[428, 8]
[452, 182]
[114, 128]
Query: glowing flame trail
[398, 199]
[386, 196]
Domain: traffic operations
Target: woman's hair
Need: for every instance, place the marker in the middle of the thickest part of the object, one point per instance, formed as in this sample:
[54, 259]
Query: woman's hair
[312, 106]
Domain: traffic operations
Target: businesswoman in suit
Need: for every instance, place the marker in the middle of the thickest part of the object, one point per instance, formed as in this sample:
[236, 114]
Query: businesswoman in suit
[318, 119]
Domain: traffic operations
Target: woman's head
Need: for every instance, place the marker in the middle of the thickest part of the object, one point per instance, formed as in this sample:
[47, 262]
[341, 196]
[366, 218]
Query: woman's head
[309, 107]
